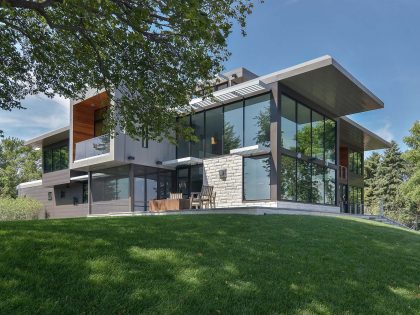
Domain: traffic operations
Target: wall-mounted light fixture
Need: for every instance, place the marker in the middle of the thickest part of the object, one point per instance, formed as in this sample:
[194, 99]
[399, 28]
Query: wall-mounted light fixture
[158, 162]
[223, 174]
[130, 157]
[213, 140]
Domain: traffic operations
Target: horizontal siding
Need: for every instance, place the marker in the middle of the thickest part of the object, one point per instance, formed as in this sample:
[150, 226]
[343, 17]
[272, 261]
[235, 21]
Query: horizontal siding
[56, 178]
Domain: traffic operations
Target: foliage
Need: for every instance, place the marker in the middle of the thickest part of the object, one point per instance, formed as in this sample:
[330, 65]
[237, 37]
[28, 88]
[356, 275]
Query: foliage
[208, 264]
[371, 166]
[230, 140]
[148, 55]
[411, 188]
[18, 163]
[19, 209]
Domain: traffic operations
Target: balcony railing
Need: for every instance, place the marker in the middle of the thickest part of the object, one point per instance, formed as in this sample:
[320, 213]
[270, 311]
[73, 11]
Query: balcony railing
[92, 147]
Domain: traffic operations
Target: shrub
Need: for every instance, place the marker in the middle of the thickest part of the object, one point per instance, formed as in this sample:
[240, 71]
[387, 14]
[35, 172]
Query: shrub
[19, 209]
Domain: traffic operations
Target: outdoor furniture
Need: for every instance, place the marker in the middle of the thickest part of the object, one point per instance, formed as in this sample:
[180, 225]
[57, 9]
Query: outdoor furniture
[198, 200]
[168, 205]
[175, 196]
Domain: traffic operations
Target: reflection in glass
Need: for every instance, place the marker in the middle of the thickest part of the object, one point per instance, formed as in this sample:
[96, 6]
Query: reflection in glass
[303, 130]
[110, 184]
[330, 186]
[182, 175]
[257, 178]
[257, 121]
[304, 181]
[317, 183]
[288, 178]
[214, 131]
[317, 136]
[233, 129]
[183, 148]
[330, 140]
[196, 178]
[288, 123]
[197, 122]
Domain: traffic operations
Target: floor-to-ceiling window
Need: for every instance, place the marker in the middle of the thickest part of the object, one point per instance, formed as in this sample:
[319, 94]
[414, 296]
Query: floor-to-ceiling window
[150, 183]
[257, 121]
[110, 184]
[233, 136]
[55, 157]
[232, 126]
[308, 141]
[256, 180]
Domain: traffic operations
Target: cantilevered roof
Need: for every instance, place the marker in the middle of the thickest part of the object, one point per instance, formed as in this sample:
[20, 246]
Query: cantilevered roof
[323, 81]
[360, 137]
[49, 137]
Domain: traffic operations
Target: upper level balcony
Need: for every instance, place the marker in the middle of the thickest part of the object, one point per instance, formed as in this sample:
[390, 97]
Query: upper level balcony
[92, 147]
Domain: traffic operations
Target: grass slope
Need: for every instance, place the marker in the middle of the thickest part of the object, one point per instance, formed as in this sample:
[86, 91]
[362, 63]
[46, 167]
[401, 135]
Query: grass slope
[208, 264]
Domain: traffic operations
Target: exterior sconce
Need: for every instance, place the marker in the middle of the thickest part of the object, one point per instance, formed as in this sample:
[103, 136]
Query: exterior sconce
[213, 140]
[223, 174]
[130, 158]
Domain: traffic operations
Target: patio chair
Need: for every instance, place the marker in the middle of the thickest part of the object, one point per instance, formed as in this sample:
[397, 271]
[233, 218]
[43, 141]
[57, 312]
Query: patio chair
[199, 200]
[175, 196]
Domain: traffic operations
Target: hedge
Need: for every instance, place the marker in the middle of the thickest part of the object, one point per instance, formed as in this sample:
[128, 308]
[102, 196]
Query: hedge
[19, 209]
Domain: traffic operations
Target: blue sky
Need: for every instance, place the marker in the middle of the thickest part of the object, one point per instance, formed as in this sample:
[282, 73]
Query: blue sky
[376, 40]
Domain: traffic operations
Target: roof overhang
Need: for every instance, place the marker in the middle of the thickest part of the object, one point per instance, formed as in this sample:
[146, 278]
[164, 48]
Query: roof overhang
[230, 94]
[251, 150]
[326, 83]
[34, 183]
[183, 161]
[360, 137]
[49, 137]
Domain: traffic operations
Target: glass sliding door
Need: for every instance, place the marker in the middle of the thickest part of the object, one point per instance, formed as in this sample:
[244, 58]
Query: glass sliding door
[197, 122]
[214, 132]
[288, 178]
[304, 181]
[256, 178]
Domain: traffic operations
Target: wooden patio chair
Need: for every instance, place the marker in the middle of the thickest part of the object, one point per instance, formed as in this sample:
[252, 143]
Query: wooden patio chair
[175, 196]
[199, 200]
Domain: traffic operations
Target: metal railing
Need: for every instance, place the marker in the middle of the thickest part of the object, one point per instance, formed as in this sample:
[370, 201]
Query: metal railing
[352, 208]
[92, 147]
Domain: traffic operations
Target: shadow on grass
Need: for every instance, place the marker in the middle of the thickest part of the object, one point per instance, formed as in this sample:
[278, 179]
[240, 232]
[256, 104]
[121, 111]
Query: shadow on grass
[226, 264]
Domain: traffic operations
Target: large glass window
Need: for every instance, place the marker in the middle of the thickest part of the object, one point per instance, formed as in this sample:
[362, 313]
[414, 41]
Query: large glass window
[183, 148]
[303, 129]
[257, 121]
[288, 178]
[317, 183]
[330, 140]
[330, 179]
[233, 127]
[317, 136]
[110, 184]
[189, 179]
[55, 158]
[257, 178]
[214, 131]
[197, 122]
[304, 181]
[288, 123]
[355, 162]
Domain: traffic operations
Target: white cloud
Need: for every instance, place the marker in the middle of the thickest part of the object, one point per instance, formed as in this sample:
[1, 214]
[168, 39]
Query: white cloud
[42, 114]
[385, 132]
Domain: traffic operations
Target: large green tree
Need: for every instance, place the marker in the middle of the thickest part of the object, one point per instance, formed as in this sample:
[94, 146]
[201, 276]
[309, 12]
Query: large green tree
[411, 188]
[371, 166]
[149, 55]
[18, 163]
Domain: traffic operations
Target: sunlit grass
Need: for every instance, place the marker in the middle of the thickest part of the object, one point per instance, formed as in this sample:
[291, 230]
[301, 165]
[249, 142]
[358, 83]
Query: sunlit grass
[208, 264]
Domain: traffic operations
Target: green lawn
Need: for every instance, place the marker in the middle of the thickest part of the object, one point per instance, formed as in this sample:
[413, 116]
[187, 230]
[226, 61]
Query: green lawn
[208, 264]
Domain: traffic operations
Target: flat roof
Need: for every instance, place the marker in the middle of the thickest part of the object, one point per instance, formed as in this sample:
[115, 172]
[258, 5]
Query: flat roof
[360, 137]
[50, 137]
[323, 81]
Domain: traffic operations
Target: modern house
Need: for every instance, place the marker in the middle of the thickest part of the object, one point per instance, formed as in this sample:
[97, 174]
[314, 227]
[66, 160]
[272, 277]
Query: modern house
[280, 140]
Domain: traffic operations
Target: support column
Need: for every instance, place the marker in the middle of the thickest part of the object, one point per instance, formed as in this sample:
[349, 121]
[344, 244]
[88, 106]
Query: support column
[89, 192]
[131, 188]
[337, 157]
[275, 142]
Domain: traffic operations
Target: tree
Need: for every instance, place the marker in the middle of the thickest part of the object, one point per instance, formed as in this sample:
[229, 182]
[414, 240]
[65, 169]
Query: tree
[18, 163]
[148, 55]
[371, 166]
[411, 188]
[390, 175]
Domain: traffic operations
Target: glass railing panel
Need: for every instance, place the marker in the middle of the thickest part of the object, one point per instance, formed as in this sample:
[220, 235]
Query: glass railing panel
[92, 147]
